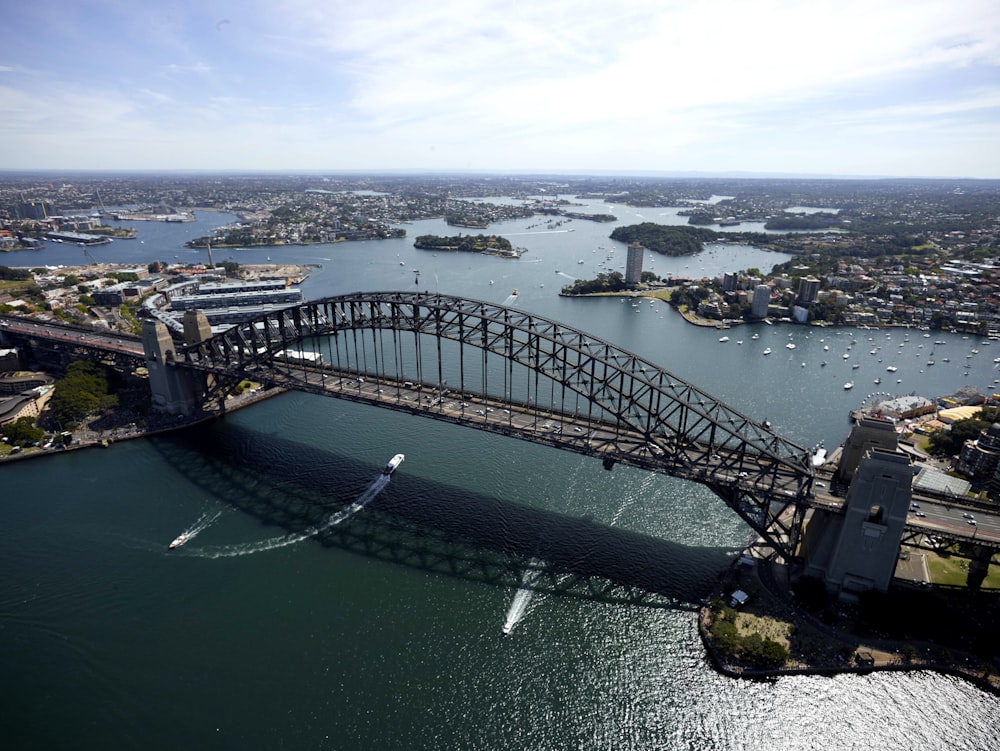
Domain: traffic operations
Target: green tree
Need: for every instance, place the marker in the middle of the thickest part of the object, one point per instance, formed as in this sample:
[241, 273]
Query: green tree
[84, 390]
[726, 637]
[22, 432]
[665, 239]
[610, 282]
[949, 442]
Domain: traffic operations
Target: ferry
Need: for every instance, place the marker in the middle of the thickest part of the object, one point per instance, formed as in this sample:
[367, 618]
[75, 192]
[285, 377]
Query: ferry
[180, 540]
[393, 463]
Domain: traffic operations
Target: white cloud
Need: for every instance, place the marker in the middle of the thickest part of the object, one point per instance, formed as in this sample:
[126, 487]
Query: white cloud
[193, 68]
[650, 84]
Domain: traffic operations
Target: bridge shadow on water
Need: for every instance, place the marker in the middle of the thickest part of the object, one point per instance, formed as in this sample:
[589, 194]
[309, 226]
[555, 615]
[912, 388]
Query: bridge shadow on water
[296, 488]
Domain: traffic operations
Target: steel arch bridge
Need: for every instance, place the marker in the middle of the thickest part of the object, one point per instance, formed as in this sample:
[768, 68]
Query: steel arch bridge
[511, 372]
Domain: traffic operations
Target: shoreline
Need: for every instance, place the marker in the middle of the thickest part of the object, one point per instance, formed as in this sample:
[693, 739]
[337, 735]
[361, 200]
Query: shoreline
[842, 651]
[107, 438]
[695, 320]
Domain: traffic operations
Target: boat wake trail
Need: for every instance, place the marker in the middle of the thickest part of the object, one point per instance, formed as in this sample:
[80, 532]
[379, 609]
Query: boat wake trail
[519, 605]
[203, 522]
[248, 548]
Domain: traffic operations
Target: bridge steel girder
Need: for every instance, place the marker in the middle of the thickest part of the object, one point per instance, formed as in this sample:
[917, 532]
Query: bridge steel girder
[61, 353]
[659, 421]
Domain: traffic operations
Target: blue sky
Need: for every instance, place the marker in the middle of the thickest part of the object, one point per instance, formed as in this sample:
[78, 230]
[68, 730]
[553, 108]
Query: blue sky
[871, 87]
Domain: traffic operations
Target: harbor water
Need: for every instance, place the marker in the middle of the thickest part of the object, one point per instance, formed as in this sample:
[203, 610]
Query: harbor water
[323, 605]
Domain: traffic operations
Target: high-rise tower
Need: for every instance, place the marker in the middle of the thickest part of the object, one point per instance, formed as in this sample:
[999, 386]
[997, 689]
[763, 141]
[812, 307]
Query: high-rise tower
[633, 265]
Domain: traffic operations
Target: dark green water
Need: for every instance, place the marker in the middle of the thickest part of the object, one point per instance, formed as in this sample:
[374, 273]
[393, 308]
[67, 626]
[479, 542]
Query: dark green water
[292, 622]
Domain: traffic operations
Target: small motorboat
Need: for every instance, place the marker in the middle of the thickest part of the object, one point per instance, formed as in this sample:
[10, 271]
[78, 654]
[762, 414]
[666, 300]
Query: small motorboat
[393, 463]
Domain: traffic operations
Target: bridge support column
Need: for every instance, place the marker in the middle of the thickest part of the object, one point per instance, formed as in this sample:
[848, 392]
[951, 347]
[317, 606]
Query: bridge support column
[196, 327]
[858, 551]
[979, 566]
[174, 390]
[867, 433]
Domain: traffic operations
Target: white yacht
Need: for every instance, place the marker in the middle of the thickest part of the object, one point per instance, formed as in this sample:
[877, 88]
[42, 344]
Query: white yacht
[393, 463]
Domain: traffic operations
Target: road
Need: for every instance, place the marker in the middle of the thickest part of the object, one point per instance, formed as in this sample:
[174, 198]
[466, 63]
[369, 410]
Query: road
[114, 342]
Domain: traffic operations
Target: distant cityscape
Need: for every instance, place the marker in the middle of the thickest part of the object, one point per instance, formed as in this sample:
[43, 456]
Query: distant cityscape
[866, 252]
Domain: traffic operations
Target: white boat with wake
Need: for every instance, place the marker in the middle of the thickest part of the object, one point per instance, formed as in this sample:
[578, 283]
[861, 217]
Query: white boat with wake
[393, 463]
[180, 540]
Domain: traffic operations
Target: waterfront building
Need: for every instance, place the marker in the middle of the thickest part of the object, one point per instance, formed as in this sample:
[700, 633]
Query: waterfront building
[808, 290]
[761, 299]
[633, 264]
[729, 280]
[10, 360]
[906, 407]
[29, 403]
[78, 238]
[980, 458]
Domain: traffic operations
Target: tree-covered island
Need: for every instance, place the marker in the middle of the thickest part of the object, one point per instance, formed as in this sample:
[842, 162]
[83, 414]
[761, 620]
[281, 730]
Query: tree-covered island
[488, 244]
[665, 240]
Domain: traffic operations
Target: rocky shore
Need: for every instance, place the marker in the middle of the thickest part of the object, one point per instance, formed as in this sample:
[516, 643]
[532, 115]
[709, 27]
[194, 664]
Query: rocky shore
[813, 643]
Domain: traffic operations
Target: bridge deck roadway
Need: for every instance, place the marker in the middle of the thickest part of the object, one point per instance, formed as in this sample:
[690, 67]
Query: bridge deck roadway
[930, 514]
[567, 431]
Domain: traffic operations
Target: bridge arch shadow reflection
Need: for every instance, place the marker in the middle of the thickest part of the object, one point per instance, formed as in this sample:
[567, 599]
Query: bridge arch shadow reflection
[437, 528]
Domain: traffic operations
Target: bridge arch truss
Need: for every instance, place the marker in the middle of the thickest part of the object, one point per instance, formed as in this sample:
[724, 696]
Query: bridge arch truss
[508, 371]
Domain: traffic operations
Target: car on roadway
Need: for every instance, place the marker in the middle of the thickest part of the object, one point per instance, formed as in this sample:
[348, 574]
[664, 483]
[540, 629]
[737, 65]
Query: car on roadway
[967, 515]
[972, 522]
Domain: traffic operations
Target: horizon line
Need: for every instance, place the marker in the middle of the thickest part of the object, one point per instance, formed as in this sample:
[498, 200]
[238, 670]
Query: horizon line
[427, 171]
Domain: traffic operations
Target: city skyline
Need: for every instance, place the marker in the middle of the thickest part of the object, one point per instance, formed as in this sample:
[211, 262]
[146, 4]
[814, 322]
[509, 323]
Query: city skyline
[839, 89]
